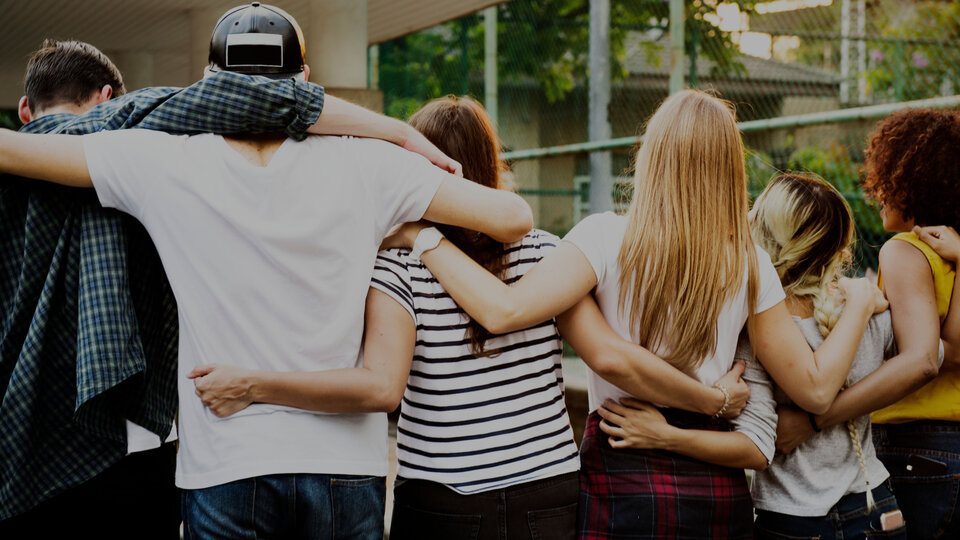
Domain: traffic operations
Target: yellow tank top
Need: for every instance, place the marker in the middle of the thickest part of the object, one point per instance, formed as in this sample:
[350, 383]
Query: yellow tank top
[940, 398]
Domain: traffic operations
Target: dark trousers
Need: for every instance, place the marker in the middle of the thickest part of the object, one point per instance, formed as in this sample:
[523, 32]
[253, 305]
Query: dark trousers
[135, 498]
[923, 458]
[544, 509]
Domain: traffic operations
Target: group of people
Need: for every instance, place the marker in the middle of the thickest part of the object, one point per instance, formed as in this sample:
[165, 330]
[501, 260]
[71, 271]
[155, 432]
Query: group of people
[321, 281]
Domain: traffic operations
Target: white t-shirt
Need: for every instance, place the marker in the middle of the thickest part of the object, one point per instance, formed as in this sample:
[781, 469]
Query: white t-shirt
[599, 238]
[270, 267]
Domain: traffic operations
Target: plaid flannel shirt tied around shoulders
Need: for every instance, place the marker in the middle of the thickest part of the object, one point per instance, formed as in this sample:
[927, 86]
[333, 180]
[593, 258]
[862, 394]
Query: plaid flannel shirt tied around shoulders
[88, 323]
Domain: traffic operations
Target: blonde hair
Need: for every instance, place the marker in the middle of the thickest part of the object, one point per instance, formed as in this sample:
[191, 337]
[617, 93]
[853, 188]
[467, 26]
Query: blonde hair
[807, 228]
[687, 243]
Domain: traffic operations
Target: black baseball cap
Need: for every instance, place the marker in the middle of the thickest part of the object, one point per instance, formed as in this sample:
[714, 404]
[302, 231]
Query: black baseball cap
[257, 39]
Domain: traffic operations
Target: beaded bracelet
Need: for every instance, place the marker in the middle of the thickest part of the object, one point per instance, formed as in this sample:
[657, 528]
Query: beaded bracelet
[726, 400]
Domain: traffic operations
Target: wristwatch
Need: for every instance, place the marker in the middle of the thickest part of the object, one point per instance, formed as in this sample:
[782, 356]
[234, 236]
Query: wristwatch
[427, 239]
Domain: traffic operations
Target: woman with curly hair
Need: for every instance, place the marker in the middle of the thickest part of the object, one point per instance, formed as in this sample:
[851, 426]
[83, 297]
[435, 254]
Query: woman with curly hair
[912, 172]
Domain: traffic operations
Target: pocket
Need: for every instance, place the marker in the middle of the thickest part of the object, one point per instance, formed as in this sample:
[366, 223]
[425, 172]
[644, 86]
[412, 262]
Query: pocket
[553, 523]
[928, 502]
[899, 532]
[416, 524]
[358, 506]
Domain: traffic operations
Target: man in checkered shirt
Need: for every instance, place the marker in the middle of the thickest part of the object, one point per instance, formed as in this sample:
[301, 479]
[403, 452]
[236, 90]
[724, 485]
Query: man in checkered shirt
[88, 340]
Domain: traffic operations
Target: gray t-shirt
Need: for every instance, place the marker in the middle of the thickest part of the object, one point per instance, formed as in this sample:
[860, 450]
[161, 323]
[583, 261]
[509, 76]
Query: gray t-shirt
[824, 468]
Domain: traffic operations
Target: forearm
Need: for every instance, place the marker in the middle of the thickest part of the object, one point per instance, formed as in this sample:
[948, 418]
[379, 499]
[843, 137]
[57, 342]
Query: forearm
[895, 379]
[348, 390]
[725, 448]
[832, 360]
[53, 158]
[549, 288]
[341, 117]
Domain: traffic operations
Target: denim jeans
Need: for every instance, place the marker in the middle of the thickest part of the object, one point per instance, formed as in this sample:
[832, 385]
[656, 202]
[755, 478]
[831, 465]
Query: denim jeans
[542, 509]
[848, 519]
[929, 498]
[287, 506]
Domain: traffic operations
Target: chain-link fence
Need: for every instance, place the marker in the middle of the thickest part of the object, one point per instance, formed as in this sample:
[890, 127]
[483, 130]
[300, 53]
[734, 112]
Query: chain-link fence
[773, 59]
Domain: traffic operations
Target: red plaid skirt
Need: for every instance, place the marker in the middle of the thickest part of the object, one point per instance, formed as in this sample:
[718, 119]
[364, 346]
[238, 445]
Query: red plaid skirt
[657, 494]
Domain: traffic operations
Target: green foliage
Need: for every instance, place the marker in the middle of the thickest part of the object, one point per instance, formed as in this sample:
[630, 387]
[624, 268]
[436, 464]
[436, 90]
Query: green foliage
[9, 119]
[902, 68]
[835, 166]
[542, 43]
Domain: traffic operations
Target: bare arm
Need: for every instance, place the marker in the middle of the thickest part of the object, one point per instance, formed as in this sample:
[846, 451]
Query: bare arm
[946, 242]
[340, 117]
[913, 309]
[53, 158]
[501, 214]
[812, 380]
[551, 287]
[640, 372]
[633, 424]
[376, 386]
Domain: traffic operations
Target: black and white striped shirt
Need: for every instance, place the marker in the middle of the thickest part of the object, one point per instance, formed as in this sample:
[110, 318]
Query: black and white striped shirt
[476, 424]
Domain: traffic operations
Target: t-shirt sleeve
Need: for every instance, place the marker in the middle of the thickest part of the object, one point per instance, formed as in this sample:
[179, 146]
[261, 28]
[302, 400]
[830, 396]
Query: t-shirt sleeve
[402, 184]
[391, 277]
[119, 163]
[758, 421]
[770, 292]
[588, 236]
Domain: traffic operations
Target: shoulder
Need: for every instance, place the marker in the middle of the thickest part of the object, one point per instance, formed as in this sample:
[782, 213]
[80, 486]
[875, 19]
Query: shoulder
[605, 226]
[902, 258]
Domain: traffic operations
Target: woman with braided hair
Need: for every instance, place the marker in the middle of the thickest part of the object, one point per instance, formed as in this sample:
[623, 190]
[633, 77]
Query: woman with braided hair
[832, 485]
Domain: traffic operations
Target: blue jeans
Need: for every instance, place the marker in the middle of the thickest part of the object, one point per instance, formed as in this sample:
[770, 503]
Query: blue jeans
[539, 510]
[287, 506]
[848, 519]
[923, 458]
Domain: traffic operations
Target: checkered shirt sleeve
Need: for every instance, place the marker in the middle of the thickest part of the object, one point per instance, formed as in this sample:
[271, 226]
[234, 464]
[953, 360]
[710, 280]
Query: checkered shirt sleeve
[88, 323]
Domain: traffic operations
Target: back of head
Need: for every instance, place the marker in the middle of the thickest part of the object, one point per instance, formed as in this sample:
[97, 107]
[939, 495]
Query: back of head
[910, 165]
[461, 129]
[807, 228]
[258, 39]
[687, 242]
[68, 72]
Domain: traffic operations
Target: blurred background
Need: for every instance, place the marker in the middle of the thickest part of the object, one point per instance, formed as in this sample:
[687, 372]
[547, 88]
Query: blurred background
[562, 78]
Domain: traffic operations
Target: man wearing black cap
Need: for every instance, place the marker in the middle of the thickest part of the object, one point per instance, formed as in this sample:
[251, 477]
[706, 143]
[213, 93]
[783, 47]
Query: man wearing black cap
[269, 245]
[88, 347]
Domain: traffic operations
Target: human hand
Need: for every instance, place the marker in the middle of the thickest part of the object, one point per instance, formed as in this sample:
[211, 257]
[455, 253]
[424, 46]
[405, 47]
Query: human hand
[414, 141]
[793, 427]
[405, 235]
[861, 290]
[737, 388]
[223, 389]
[943, 239]
[634, 424]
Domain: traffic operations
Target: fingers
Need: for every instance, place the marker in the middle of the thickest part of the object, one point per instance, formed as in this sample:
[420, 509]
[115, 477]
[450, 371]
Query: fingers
[635, 403]
[609, 429]
[614, 407]
[200, 371]
[609, 415]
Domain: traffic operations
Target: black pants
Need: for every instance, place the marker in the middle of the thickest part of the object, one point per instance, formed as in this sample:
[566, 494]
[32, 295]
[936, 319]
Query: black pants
[135, 498]
[541, 509]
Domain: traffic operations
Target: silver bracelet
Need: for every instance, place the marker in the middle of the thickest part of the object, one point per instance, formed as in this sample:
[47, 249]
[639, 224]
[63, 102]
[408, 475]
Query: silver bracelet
[726, 400]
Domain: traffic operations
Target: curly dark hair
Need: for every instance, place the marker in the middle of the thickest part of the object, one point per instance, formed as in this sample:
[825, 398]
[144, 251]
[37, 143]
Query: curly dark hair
[911, 166]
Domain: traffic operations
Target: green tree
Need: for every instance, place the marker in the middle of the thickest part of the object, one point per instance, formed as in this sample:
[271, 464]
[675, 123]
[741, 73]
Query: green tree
[541, 42]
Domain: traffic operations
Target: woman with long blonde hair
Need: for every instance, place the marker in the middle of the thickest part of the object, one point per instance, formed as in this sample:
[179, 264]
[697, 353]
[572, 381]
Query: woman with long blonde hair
[681, 276]
[832, 485]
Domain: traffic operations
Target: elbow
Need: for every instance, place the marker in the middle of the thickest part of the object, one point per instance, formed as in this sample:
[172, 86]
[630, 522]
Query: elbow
[605, 362]
[516, 221]
[504, 320]
[929, 366]
[385, 397]
[818, 401]
[758, 464]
